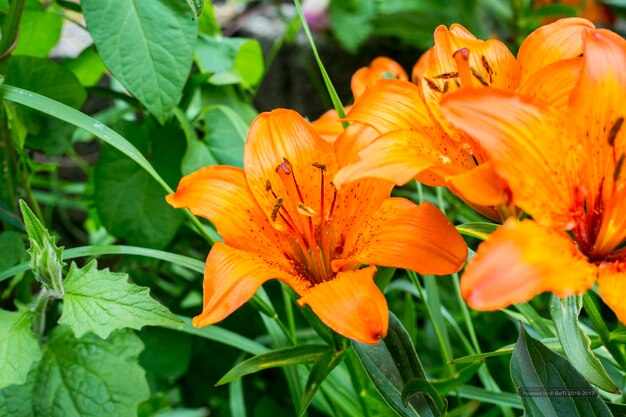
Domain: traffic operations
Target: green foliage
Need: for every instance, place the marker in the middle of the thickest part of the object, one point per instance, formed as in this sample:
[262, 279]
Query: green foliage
[11, 249]
[87, 377]
[46, 259]
[158, 40]
[19, 347]
[535, 368]
[142, 216]
[101, 302]
[230, 60]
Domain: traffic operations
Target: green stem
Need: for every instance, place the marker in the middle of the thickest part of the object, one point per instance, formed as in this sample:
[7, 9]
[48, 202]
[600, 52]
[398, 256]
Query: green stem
[39, 312]
[11, 27]
[594, 314]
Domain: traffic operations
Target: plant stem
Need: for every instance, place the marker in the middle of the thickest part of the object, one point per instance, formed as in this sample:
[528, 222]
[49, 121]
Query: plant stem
[11, 27]
[39, 311]
[594, 314]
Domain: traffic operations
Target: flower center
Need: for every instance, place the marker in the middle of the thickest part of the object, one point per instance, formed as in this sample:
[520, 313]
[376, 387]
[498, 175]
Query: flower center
[309, 229]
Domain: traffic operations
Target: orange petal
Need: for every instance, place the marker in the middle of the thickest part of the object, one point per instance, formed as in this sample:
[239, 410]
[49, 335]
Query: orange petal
[521, 260]
[530, 146]
[598, 109]
[397, 157]
[284, 135]
[481, 186]
[232, 276]
[380, 68]
[221, 195]
[351, 304]
[612, 286]
[348, 145]
[560, 40]
[329, 126]
[420, 67]
[402, 234]
[554, 83]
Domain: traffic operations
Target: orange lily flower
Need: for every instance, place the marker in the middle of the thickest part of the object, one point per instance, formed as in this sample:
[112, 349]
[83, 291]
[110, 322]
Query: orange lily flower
[565, 169]
[329, 125]
[281, 217]
[414, 139]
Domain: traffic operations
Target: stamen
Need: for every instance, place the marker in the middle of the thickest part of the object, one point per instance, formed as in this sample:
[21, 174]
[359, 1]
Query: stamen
[487, 67]
[615, 130]
[479, 77]
[432, 85]
[306, 210]
[277, 205]
[268, 185]
[447, 75]
[319, 165]
[618, 168]
[446, 86]
[462, 62]
[285, 166]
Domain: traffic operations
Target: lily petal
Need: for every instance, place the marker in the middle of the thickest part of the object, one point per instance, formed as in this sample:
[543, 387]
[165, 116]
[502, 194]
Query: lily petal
[351, 304]
[531, 147]
[554, 83]
[348, 145]
[612, 286]
[560, 40]
[215, 193]
[232, 276]
[329, 126]
[279, 136]
[521, 260]
[380, 68]
[402, 234]
[480, 186]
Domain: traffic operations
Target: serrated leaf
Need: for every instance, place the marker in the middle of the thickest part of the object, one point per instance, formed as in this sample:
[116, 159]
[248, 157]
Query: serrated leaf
[158, 40]
[576, 344]
[101, 301]
[391, 365]
[87, 377]
[536, 370]
[46, 259]
[19, 346]
[292, 355]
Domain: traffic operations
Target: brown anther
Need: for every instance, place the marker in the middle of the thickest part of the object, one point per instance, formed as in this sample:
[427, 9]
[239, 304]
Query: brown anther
[268, 185]
[487, 67]
[479, 77]
[618, 168]
[277, 205]
[432, 85]
[447, 75]
[285, 166]
[446, 86]
[319, 165]
[306, 210]
[615, 130]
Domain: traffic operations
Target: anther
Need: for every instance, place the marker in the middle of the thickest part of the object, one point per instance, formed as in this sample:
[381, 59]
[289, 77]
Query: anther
[277, 205]
[319, 165]
[615, 130]
[618, 168]
[447, 75]
[306, 210]
[432, 85]
[285, 166]
[487, 67]
[479, 77]
[268, 185]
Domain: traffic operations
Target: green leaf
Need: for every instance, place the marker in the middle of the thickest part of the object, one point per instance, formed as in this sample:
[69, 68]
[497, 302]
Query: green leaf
[207, 22]
[479, 230]
[167, 353]
[230, 60]
[158, 40]
[196, 6]
[87, 377]
[39, 33]
[142, 217]
[100, 301]
[462, 376]
[11, 249]
[351, 22]
[322, 367]
[422, 386]
[223, 141]
[87, 67]
[576, 344]
[535, 369]
[19, 346]
[46, 259]
[391, 365]
[292, 355]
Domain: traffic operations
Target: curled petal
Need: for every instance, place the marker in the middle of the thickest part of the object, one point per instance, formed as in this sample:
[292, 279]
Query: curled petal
[560, 40]
[329, 126]
[402, 234]
[380, 68]
[521, 260]
[232, 276]
[531, 145]
[351, 304]
[215, 193]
